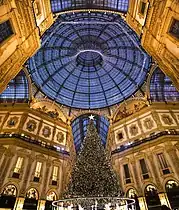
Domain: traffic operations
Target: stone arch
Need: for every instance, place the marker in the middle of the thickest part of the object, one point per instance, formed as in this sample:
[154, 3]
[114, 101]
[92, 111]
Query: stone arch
[51, 195]
[32, 193]
[10, 189]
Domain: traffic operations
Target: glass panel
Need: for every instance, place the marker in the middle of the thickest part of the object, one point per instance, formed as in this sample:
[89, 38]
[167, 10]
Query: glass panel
[18, 165]
[5, 31]
[38, 169]
[79, 128]
[55, 173]
[17, 90]
[143, 166]
[126, 171]
[162, 161]
[162, 88]
[174, 29]
[61, 5]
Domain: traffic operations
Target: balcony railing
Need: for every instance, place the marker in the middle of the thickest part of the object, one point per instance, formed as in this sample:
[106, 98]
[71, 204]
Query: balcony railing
[36, 142]
[139, 142]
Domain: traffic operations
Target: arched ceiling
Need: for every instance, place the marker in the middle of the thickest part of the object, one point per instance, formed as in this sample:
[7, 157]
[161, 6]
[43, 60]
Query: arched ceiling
[65, 5]
[17, 90]
[89, 60]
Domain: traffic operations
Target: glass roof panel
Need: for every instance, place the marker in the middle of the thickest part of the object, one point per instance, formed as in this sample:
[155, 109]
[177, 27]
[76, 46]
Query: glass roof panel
[79, 128]
[17, 90]
[97, 58]
[162, 88]
[65, 5]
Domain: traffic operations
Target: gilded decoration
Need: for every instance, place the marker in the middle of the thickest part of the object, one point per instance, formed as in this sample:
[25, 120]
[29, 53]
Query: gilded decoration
[51, 196]
[46, 131]
[133, 130]
[12, 122]
[31, 125]
[51, 113]
[130, 108]
[60, 137]
[148, 123]
[167, 119]
[132, 193]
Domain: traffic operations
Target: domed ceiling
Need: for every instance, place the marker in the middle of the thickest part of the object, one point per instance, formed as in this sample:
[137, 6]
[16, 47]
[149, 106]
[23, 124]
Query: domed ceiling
[89, 60]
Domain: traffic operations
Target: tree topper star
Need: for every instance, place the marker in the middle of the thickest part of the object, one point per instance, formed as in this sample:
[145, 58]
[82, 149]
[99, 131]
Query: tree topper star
[91, 117]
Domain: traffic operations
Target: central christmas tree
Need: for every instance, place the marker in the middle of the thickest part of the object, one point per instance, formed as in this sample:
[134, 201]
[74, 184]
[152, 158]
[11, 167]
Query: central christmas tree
[92, 175]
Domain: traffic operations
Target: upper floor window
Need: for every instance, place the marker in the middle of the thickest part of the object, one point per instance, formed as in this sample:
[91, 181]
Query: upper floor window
[174, 28]
[142, 7]
[127, 173]
[5, 31]
[144, 169]
[55, 175]
[18, 167]
[37, 172]
[163, 163]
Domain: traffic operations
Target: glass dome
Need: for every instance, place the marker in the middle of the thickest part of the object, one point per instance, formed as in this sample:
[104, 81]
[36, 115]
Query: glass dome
[89, 60]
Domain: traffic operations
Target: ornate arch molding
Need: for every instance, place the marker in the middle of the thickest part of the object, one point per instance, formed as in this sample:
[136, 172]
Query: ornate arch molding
[16, 184]
[128, 108]
[170, 178]
[49, 107]
[150, 183]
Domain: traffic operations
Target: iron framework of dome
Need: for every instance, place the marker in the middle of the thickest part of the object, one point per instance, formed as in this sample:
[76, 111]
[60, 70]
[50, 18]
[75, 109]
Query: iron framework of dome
[89, 60]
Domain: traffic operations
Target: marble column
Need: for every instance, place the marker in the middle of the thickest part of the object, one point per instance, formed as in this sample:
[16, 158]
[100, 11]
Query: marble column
[142, 203]
[174, 158]
[6, 164]
[41, 204]
[27, 175]
[154, 171]
[46, 179]
[19, 203]
[164, 199]
[137, 178]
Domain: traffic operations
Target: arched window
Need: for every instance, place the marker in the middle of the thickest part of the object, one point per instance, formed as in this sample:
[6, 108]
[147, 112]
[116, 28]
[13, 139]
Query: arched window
[162, 88]
[131, 193]
[51, 196]
[17, 90]
[79, 128]
[10, 190]
[172, 189]
[152, 198]
[32, 194]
